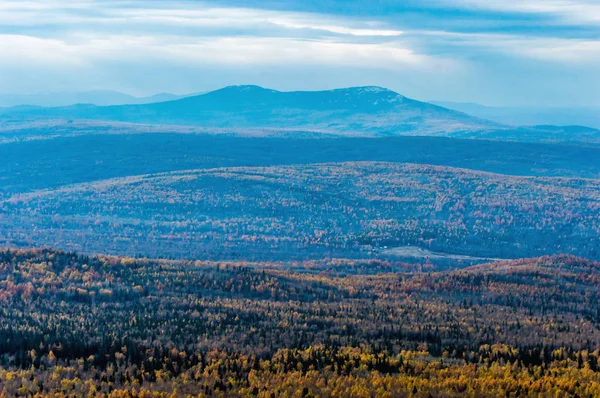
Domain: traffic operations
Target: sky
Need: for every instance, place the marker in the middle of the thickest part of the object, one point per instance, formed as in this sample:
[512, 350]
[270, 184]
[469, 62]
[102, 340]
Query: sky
[494, 52]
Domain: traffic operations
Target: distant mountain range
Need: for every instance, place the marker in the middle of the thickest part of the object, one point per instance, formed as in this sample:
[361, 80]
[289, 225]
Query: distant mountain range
[529, 116]
[100, 98]
[364, 111]
[353, 110]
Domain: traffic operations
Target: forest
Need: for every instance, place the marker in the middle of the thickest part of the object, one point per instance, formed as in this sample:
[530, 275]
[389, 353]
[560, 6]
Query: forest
[48, 157]
[309, 198]
[272, 266]
[112, 326]
[267, 267]
[350, 209]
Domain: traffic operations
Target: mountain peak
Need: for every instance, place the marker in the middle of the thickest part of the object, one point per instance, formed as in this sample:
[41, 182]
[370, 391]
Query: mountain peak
[372, 89]
[374, 94]
[250, 88]
[247, 88]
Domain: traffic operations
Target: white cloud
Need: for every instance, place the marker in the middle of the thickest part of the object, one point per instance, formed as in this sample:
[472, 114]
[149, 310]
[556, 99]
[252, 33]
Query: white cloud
[187, 45]
[87, 49]
[550, 49]
[343, 30]
[251, 18]
[84, 31]
[182, 14]
[562, 50]
[22, 49]
[571, 11]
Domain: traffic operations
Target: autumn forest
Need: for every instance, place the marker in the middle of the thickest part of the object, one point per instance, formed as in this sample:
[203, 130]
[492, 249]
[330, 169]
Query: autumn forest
[187, 261]
[96, 325]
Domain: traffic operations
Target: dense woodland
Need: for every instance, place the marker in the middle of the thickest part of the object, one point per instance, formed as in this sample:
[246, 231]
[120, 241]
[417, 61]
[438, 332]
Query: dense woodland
[355, 210]
[281, 274]
[80, 325]
[48, 157]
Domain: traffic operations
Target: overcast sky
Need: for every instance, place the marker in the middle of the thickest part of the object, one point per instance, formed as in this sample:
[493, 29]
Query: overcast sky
[496, 52]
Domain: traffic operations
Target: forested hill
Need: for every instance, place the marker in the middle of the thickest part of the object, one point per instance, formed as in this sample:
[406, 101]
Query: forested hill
[355, 209]
[94, 326]
[51, 163]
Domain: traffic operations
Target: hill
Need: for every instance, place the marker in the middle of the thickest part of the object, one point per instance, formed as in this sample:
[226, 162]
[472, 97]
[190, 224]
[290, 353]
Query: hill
[93, 326]
[53, 162]
[572, 135]
[354, 209]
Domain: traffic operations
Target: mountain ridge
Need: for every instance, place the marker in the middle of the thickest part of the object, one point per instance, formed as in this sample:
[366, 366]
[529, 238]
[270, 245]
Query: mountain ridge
[364, 111]
[368, 109]
[95, 97]
[529, 115]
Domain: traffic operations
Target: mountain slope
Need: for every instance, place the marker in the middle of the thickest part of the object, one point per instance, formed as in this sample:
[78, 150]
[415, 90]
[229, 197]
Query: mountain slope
[366, 110]
[529, 115]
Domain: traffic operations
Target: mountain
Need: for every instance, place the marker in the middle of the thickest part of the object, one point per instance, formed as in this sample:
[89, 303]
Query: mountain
[99, 98]
[529, 115]
[361, 111]
[160, 97]
[364, 110]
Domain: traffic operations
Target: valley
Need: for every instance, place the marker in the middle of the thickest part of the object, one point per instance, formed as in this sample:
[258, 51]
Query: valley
[412, 252]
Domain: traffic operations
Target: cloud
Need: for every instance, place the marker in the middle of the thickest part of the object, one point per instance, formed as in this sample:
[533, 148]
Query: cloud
[180, 14]
[555, 49]
[550, 49]
[87, 49]
[82, 32]
[226, 34]
[17, 49]
[569, 11]
[294, 24]
[421, 48]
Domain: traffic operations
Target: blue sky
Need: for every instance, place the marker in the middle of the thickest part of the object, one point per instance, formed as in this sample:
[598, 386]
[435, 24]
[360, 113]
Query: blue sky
[496, 52]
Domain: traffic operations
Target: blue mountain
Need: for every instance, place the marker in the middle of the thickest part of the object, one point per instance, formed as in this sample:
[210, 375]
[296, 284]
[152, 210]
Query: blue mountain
[360, 110]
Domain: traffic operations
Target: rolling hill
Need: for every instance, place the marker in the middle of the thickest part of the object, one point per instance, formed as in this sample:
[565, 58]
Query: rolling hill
[353, 209]
[105, 326]
[51, 163]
